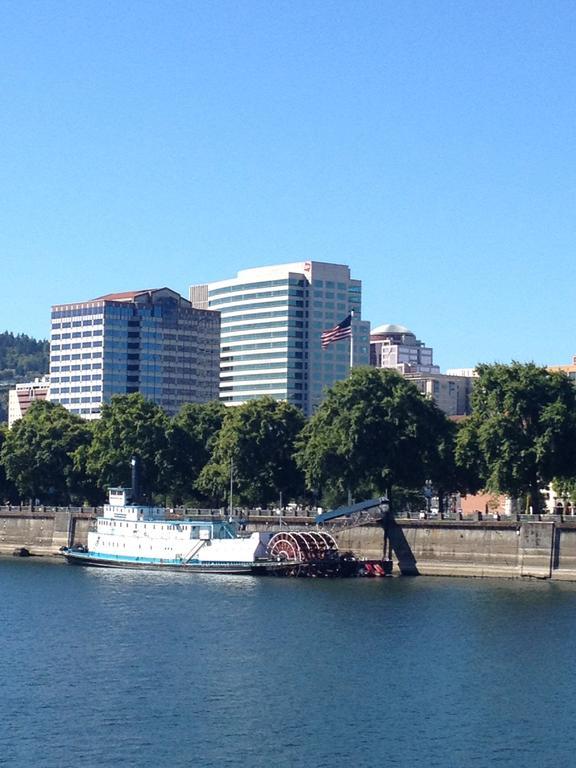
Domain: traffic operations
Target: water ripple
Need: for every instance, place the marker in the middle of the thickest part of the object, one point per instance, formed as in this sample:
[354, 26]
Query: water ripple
[119, 668]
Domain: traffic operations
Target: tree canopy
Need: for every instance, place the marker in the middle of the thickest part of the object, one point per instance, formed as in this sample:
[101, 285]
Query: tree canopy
[21, 355]
[130, 426]
[8, 490]
[191, 436]
[38, 453]
[522, 431]
[373, 431]
[257, 439]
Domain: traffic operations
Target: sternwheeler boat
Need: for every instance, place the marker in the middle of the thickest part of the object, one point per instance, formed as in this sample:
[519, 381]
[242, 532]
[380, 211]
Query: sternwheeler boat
[130, 535]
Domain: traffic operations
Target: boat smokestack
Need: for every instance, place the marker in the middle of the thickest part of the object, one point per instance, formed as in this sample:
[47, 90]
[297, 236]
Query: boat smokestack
[135, 487]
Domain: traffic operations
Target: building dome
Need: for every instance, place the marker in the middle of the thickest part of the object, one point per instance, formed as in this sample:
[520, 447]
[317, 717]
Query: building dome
[382, 330]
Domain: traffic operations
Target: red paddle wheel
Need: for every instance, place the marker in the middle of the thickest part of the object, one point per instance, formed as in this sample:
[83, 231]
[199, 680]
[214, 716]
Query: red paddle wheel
[310, 551]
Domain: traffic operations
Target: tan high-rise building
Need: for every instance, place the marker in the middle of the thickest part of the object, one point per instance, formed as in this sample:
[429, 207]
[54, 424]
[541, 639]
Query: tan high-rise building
[569, 370]
[272, 322]
[396, 347]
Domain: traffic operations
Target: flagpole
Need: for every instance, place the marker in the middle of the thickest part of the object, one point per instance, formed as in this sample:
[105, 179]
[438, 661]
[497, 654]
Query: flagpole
[351, 340]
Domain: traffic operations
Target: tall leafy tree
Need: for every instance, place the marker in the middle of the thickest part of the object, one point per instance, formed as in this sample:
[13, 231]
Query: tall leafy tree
[38, 453]
[257, 439]
[191, 437]
[438, 445]
[469, 461]
[130, 426]
[522, 431]
[373, 431]
[8, 491]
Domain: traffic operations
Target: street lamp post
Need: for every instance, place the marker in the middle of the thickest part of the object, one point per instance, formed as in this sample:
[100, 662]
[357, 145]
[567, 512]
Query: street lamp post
[134, 478]
[230, 501]
[428, 496]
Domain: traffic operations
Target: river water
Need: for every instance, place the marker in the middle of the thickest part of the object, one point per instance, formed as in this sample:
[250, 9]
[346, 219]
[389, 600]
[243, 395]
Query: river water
[123, 668]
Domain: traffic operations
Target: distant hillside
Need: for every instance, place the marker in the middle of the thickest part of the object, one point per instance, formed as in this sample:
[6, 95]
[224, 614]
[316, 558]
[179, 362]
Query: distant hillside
[22, 358]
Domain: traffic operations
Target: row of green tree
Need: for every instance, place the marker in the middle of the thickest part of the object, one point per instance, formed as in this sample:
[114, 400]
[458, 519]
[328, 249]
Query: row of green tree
[21, 355]
[374, 434]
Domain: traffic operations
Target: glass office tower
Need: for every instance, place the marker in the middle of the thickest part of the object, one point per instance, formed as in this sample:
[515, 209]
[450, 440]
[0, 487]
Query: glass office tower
[272, 319]
[153, 342]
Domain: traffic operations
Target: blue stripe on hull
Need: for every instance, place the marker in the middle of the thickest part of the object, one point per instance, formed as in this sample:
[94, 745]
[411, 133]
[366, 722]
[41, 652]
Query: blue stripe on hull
[113, 561]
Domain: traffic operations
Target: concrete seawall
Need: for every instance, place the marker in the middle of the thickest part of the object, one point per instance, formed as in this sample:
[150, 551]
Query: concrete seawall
[42, 531]
[499, 548]
[543, 549]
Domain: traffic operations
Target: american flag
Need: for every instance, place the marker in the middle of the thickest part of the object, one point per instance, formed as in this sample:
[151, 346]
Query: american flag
[341, 331]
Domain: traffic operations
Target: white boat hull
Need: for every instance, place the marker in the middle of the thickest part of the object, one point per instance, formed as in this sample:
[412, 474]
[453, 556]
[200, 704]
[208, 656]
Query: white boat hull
[79, 557]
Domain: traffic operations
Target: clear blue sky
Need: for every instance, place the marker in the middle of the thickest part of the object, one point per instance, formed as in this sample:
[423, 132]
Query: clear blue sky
[429, 145]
